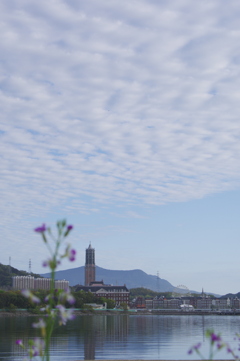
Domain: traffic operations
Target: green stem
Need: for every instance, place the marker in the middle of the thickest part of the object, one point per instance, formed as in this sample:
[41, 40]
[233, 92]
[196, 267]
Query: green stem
[200, 354]
[51, 316]
[211, 352]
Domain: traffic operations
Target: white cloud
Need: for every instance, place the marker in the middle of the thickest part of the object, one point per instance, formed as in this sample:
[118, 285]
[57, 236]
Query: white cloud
[134, 102]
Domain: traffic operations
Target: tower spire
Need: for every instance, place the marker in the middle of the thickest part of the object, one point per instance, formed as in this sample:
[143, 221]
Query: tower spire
[90, 271]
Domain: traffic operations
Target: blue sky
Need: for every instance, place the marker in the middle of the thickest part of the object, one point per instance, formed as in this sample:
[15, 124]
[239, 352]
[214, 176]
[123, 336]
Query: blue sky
[123, 117]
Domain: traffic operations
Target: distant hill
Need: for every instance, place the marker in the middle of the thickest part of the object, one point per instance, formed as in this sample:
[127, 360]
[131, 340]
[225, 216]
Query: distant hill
[132, 279]
[231, 295]
[7, 272]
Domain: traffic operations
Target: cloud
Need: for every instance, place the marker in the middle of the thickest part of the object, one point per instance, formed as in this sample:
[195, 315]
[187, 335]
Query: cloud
[107, 103]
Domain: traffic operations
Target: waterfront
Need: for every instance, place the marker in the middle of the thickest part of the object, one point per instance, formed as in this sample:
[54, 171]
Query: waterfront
[121, 336]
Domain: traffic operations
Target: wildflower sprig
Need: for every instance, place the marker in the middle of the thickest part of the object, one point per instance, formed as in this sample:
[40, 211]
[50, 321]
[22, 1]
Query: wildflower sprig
[216, 345]
[35, 348]
[55, 310]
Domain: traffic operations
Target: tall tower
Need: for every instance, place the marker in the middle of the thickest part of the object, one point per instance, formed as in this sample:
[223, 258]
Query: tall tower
[90, 265]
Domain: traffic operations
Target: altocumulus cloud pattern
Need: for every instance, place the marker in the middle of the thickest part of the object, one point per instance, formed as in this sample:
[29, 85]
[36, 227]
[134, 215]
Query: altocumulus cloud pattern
[123, 102]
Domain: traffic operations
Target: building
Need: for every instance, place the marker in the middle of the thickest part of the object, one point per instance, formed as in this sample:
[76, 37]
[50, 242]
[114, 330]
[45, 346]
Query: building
[62, 285]
[204, 303]
[90, 269]
[31, 283]
[42, 283]
[119, 294]
[236, 303]
[139, 302]
[23, 282]
[221, 303]
[163, 303]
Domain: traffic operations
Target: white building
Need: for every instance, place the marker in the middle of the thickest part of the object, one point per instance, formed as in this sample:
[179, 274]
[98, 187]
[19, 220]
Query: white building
[31, 283]
[23, 282]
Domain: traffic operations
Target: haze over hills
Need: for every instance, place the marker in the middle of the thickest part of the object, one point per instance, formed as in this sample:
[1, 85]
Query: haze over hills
[133, 278]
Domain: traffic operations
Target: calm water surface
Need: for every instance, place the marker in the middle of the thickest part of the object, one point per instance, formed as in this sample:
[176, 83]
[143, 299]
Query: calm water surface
[121, 336]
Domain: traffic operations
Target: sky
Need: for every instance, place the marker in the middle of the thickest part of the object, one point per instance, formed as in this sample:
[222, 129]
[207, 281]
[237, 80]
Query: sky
[123, 118]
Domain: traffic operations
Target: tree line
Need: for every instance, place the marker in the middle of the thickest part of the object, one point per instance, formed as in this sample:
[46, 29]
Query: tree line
[12, 300]
[146, 293]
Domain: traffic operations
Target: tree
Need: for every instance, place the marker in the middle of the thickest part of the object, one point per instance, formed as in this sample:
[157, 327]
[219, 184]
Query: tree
[110, 303]
[124, 306]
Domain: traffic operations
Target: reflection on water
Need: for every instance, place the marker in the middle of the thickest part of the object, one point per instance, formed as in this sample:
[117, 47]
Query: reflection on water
[120, 336]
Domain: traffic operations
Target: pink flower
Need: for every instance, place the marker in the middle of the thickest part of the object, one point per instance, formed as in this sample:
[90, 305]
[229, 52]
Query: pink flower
[41, 229]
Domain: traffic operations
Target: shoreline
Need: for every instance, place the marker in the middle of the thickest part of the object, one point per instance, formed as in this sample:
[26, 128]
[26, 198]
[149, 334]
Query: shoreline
[27, 313]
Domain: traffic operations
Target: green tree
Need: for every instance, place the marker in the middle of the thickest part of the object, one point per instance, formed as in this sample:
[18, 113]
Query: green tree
[110, 303]
[124, 306]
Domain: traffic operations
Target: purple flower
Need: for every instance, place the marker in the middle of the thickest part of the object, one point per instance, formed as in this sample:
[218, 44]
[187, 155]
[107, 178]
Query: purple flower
[72, 255]
[65, 314]
[39, 324]
[69, 228]
[42, 325]
[215, 337]
[19, 342]
[30, 295]
[70, 299]
[67, 296]
[197, 346]
[45, 263]
[37, 348]
[35, 352]
[41, 229]
[194, 348]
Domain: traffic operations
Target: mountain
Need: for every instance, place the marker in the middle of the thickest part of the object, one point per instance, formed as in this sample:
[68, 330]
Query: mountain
[6, 274]
[231, 295]
[132, 279]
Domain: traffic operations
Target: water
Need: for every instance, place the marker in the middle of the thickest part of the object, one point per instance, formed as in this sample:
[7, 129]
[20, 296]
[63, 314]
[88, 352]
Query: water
[145, 337]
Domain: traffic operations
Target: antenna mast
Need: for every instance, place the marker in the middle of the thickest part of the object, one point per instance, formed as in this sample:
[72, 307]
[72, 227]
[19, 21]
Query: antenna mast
[30, 266]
